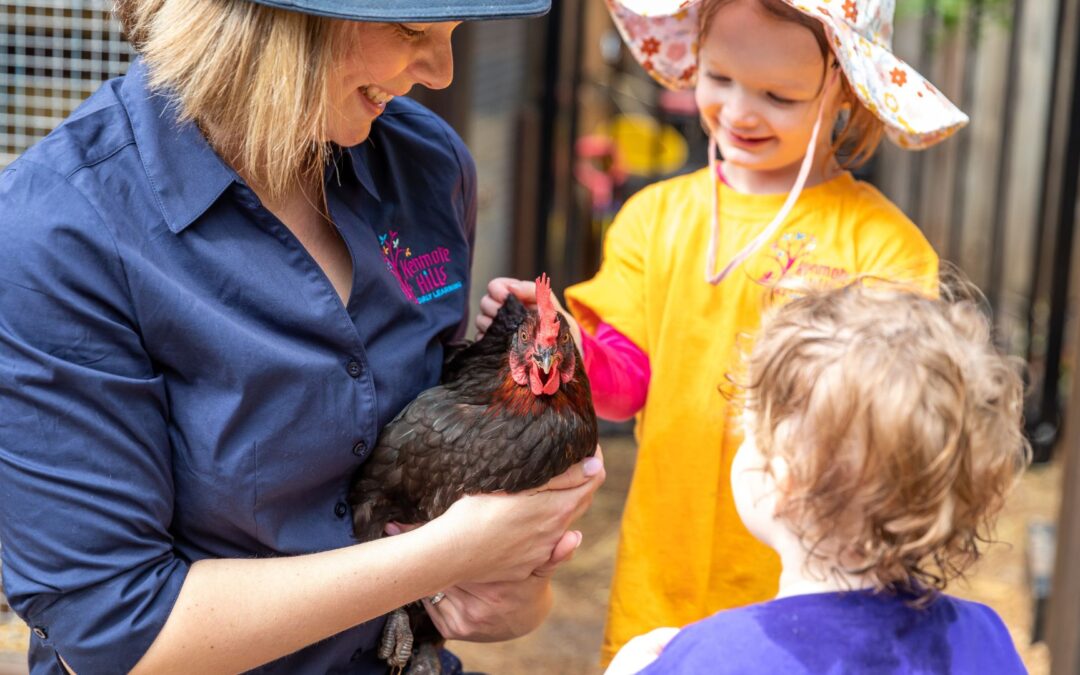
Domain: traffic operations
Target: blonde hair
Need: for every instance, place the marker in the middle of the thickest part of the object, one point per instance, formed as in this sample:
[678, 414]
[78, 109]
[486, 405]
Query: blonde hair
[855, 141]
[255, 74]
[900, 424]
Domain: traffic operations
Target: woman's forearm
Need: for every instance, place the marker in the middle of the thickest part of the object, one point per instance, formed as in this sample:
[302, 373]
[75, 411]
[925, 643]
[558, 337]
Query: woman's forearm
[233, 615]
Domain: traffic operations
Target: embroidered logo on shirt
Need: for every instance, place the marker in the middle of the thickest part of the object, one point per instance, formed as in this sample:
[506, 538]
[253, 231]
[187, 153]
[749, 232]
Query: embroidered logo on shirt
[422, 277]
[790, 258]
[787, 250]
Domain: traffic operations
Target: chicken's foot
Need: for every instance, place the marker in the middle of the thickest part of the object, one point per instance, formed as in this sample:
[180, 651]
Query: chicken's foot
[397, 640]
[425, 660]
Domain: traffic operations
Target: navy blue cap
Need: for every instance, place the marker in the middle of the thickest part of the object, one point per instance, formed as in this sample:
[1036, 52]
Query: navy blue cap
[420, 11]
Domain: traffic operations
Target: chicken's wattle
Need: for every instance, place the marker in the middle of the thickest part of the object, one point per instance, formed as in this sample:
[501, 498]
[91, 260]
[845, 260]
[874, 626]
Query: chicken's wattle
[543, 383]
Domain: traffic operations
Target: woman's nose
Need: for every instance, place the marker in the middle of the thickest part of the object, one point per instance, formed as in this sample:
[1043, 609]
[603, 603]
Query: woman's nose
[434, 65]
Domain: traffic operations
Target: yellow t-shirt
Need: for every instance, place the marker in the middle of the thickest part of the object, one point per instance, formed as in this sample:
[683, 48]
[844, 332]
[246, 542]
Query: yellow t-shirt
[683, 552]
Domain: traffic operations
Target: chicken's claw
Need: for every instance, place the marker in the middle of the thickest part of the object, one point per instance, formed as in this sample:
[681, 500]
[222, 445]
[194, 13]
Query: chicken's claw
[425, 661]
[397, 640]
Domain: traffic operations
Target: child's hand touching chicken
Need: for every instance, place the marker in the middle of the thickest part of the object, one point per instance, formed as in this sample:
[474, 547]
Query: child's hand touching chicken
[525, 291]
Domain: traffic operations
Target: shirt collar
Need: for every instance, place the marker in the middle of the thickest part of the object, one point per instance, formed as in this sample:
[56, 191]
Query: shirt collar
[186, 174]
[359, 157]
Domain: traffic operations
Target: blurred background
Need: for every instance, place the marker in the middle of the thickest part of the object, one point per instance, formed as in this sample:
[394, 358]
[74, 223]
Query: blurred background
[565, 126]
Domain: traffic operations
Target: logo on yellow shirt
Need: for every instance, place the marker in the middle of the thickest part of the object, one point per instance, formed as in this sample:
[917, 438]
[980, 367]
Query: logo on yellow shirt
[790, 258]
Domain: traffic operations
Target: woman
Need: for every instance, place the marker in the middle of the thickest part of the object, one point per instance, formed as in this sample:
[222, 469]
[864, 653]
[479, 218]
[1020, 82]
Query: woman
[215, 289]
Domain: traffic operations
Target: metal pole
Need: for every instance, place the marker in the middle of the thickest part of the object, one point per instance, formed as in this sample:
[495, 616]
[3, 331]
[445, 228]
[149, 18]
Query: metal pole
[918, 166]
[549, 114]
[1042, 413]
[573, 267]
[1063, 245]
[995, 284]
[954, 250]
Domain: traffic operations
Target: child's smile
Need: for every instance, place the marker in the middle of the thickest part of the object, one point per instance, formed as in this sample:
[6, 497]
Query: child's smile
[746, 141]
[759, 92]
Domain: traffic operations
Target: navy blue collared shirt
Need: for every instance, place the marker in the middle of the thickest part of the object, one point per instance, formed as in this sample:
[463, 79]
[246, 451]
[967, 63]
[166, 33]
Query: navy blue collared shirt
[178, 378]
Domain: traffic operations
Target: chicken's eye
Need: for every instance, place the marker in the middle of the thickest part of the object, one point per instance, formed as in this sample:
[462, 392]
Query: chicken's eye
[523, 335]
[565, 337]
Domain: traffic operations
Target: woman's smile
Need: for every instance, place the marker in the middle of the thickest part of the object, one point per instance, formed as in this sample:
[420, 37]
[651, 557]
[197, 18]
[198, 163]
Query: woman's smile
[375, 98]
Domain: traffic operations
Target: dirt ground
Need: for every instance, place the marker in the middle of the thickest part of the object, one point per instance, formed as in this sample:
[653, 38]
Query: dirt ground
[569, 642]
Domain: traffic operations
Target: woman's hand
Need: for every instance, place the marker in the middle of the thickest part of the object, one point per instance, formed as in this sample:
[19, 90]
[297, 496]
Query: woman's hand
[640, 652]
[520, 540]
[525, 291]
[500, 610]
[513, 544]
[507, 537]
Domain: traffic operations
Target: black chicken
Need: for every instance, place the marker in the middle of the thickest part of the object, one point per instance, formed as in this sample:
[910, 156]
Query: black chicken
[513, 410]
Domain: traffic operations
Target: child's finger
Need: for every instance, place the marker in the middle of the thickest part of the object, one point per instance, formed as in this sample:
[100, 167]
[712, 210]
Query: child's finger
[499, 287]
[489, 306]
[525, 291]
[483, 322]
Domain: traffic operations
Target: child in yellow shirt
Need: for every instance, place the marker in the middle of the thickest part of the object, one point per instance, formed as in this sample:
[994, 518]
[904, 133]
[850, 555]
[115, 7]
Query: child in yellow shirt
[772, 78]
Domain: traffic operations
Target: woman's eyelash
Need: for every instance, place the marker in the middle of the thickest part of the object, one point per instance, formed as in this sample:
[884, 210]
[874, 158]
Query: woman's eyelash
[409, 32]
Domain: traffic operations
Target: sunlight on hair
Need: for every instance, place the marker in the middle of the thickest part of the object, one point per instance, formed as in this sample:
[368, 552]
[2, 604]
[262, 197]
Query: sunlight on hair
[898, 419]
[253, 77]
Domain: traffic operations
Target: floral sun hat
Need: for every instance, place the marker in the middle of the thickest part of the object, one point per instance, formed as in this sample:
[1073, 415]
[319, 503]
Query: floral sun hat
[663, 36]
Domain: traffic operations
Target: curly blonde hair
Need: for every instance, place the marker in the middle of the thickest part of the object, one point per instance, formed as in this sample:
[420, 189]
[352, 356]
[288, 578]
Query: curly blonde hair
[900, 424]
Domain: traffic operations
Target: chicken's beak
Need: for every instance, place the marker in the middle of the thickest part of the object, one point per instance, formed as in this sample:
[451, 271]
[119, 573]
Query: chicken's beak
[544, 358]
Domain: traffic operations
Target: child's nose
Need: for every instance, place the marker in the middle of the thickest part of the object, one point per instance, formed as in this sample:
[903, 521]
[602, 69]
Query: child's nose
[739, 112]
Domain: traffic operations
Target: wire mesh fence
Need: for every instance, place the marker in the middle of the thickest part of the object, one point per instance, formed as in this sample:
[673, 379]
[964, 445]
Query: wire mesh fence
[53, 54]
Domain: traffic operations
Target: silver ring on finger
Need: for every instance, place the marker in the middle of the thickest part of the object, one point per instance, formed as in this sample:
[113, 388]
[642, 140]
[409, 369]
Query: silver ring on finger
[437, 598]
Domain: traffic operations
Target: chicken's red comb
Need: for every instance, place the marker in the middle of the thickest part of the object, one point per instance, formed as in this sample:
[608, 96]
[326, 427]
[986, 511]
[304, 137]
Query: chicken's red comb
[549, 324]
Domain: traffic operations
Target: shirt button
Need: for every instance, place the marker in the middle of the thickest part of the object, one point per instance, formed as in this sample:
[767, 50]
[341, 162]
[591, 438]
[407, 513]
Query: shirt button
[41, 633]
[359, 449]
[354, 368]
[340, 509]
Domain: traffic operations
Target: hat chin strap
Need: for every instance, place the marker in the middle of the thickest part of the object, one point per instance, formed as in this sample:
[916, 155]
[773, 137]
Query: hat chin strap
[770, 229]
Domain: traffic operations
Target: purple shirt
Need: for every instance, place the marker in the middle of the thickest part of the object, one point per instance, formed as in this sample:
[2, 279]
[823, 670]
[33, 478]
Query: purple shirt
[854, 632]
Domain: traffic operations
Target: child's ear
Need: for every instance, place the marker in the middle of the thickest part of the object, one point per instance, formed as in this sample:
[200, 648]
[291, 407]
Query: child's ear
[781, 472]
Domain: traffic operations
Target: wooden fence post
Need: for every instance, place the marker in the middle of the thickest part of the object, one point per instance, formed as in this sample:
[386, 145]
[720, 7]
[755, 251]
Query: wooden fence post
[1063, 627]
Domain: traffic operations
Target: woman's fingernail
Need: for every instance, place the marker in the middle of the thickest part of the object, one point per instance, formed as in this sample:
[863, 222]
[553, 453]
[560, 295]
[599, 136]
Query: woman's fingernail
[579, 538]
[593, 466]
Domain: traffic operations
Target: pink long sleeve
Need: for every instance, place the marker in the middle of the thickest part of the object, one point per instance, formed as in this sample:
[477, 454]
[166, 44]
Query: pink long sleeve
[618, 373]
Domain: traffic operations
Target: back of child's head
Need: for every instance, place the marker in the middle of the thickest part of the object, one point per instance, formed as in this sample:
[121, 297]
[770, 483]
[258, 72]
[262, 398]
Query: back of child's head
[899, 425]
[858, 131]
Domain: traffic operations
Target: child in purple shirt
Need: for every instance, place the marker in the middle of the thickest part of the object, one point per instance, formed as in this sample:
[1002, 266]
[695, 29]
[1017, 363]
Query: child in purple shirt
[882, 432]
